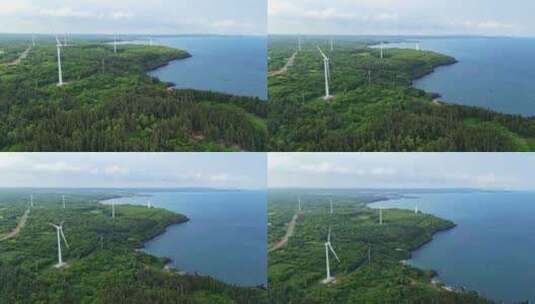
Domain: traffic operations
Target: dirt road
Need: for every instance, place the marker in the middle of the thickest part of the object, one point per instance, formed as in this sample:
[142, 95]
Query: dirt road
[289, 233]
[21, 57]
[284, 69]
[17, 229]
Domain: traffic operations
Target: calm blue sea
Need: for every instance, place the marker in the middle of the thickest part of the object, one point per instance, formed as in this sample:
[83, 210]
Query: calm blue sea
[225, 238]
[495, 73]
[230, 64]
[492, 250]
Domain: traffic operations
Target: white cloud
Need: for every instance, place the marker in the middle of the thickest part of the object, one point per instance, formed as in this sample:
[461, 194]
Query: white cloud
[116, 170]
[66, 12]
[121, 15]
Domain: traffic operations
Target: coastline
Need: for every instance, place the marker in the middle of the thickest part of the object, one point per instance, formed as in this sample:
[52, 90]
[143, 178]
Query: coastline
[434, 274]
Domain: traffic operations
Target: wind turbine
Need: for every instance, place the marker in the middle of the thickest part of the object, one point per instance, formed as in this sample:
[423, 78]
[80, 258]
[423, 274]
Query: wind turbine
[33, 40]
[299, 203]
[416, 209]
[380, 215]
[332, 211]
[332, 45]
[60, 234]
[328, 247]
[60, 74]
[115, 45]
[63, 199]
[31, 200]
[327, 72]
[417, 46]
[382, 50]
[149, 204]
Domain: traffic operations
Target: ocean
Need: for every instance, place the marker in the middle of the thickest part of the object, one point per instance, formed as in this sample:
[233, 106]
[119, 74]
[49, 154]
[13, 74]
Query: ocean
[226, 236]
[229, 64]
[491, 249]
[493, 73]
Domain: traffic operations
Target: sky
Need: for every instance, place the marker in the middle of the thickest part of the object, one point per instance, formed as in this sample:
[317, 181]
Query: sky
[134, 16]
[131, 170]
[492, 171]
[403, 17]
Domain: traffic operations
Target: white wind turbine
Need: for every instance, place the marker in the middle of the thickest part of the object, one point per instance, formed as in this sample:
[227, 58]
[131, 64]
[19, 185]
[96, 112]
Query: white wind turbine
[60, 234]
[380, 215]
[63, 199]
[149, 205]
[332, 210]
[417, 46]
[382, 50]
[416, 209]
[332, 45]
[31, 200]
[33, 40]
[327, 72]
[60, 73]
[115, 45]
[299, 204]
[328, 247]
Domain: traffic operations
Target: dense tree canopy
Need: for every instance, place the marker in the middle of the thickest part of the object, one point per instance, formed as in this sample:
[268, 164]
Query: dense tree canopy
[374, 107]
[110, 104]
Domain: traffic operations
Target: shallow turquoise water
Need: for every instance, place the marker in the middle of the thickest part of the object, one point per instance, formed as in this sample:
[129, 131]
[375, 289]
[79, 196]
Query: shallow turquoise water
[225, 238]
[492, 248]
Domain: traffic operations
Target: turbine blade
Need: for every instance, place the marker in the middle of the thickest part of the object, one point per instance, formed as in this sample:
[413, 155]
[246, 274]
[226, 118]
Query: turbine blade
[334, 253]
[63, 236]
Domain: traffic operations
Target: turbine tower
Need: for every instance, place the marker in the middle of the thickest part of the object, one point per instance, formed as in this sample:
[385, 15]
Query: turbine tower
[382, 50]
[327, 72]
[332, 211]
[332, 45]
[60, 234]
[328, 247]
[418, 46]
[33, 40]
[31, 200]
[60, 74]
[299, 203]
[416, 209]
[149, 204]
[115, 45]
[63, 199]
[380, 215]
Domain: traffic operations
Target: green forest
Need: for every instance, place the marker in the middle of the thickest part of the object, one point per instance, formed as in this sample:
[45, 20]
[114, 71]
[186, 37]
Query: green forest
[104, 264]
[109, 103]
[374, 106]
[371, 267]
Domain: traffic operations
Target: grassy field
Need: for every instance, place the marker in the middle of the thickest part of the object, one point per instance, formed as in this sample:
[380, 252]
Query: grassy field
[103, 263]
[374, 106]
[371, 268]
[109, 103]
